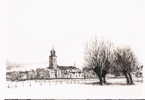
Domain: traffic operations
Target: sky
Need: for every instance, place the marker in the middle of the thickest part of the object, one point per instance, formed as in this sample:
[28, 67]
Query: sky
[35, 26]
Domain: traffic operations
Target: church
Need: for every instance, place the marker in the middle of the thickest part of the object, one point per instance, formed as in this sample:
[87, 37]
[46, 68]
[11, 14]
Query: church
[58, 71]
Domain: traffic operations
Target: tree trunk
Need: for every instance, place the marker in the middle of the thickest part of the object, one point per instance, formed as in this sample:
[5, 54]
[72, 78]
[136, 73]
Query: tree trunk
[130, 78]
[100, 78]
[104, 80]
[104, 76]
[97, 70]
[127, 78]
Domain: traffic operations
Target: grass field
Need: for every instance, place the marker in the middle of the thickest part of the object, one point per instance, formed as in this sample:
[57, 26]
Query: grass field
[45, 83]
[75, 88]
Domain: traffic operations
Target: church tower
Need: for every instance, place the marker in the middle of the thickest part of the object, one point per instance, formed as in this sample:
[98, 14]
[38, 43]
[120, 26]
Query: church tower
[52, 59]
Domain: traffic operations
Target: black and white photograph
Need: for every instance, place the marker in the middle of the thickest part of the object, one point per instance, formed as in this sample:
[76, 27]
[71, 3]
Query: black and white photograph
[85, 49]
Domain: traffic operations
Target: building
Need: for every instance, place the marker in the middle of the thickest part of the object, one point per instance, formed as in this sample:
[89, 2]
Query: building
[70, 72]
[63, 71]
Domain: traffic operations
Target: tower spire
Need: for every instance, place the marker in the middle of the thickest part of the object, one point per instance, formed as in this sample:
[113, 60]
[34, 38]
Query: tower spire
[53, 59]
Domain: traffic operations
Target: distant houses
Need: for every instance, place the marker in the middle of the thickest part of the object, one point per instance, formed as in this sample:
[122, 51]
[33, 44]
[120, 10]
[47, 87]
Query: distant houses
[53, 71]
[45, 73]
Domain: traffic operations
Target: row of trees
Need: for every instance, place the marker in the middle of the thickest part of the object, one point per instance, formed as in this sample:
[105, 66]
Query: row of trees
[103, 57]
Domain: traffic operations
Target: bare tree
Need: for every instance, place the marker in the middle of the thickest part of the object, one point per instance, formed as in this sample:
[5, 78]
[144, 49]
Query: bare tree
[98, 57]
[126, 61]
[103, 57]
